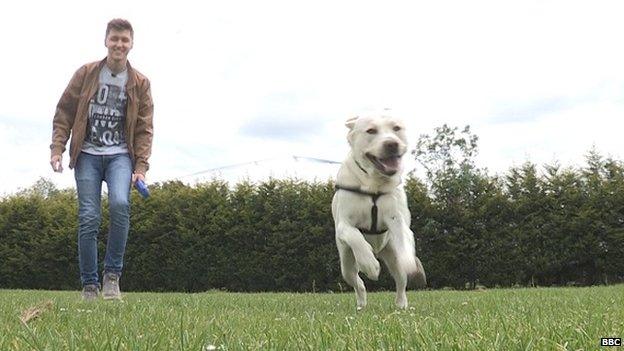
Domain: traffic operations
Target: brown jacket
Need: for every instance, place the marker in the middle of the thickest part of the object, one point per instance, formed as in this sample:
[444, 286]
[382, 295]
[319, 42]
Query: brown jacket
[71, 115]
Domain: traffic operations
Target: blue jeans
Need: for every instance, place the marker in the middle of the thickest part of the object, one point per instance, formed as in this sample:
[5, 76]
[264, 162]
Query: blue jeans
[90, 171]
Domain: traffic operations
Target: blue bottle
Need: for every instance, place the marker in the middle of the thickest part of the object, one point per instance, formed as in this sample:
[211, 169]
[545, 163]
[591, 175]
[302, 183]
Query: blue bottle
[142, 188]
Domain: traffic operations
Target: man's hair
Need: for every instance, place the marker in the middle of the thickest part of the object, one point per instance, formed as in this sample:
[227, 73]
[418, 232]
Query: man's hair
[119, 24]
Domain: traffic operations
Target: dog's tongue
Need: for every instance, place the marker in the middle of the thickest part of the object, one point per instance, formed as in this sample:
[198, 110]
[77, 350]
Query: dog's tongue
[390, 163]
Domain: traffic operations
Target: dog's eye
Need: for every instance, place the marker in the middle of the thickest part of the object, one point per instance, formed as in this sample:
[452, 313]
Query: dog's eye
[396, 128]
[371, 131]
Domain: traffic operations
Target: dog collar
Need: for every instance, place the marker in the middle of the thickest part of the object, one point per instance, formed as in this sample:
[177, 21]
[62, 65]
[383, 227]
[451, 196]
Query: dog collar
[360, 166]
[374, 196]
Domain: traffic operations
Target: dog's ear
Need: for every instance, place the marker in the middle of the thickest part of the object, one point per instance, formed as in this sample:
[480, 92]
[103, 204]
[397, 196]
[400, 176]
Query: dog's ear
[351, 122]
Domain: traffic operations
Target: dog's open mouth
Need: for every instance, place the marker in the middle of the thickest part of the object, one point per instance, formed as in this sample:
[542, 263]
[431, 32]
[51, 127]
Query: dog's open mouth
[388, 166]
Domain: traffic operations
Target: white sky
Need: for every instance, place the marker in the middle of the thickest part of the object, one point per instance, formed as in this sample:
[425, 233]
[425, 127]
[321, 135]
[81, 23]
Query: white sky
[239, 81]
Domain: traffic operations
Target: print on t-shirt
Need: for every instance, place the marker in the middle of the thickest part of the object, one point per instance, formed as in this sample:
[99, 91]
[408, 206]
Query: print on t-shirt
[106, 116]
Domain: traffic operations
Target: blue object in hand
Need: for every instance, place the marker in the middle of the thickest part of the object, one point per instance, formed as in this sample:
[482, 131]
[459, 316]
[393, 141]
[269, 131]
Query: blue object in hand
[141, 188]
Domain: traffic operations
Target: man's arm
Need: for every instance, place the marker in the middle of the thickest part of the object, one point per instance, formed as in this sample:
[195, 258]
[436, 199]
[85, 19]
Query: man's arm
[144, 130]
[64, 118]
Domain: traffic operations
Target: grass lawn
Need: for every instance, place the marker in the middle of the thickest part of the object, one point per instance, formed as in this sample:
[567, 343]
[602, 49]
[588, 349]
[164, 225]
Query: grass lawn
[498, 319]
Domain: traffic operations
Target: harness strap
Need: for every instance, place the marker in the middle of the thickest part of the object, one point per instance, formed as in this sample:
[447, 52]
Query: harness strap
[374, 210]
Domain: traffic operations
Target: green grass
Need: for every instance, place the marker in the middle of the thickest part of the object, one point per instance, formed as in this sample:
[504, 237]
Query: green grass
[499, 319]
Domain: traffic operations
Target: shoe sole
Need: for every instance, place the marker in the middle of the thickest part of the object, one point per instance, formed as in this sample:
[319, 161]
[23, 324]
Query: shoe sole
[112, 297]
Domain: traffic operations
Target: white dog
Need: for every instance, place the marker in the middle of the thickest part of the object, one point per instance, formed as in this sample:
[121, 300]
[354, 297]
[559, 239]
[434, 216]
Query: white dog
[370, 208]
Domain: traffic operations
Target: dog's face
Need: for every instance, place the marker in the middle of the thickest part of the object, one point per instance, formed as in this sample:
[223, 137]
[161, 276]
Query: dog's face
[379, 142]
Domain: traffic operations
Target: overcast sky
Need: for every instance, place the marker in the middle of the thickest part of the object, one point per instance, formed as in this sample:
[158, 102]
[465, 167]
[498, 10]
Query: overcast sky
[240, 81]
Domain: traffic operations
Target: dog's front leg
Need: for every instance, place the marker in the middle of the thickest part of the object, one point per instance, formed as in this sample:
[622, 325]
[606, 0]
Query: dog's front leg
[349, 270]
[348, 248]
[366, 261]
[399, 256]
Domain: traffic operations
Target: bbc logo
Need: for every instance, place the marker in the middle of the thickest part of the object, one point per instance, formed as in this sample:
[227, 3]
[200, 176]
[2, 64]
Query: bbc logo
[610, 341]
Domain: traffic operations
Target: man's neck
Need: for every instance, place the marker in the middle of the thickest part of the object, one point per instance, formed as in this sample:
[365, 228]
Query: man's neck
[116, 66]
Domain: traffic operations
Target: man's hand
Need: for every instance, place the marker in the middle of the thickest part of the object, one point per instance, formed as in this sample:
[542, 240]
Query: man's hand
[137, 176]
[56, 162]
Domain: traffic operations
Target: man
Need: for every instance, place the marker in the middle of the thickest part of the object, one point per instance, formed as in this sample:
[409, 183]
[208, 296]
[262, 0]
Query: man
[107, 108]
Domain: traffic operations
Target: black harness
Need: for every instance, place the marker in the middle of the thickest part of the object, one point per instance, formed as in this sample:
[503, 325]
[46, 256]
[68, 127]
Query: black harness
[373, 229]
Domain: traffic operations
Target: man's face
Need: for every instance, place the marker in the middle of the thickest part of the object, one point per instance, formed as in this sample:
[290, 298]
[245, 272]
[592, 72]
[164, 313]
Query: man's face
[118, 43]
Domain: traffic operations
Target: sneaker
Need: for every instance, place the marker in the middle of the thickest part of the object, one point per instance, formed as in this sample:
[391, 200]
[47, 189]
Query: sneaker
[90, 292]
[110, 288]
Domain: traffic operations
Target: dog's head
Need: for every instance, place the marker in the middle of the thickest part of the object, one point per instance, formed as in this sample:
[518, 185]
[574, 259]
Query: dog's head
[378, 142]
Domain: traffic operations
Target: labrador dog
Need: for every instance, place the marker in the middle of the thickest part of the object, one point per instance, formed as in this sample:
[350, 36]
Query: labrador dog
[370, 208]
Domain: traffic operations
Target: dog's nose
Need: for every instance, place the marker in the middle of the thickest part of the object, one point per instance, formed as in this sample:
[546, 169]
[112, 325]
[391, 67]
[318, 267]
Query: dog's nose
[391, 146]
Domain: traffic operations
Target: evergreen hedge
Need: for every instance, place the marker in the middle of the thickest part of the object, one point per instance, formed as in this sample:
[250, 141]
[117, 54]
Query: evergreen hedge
[557, 227]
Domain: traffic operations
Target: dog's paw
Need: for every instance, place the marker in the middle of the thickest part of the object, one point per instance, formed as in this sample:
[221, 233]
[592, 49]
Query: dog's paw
[401, 301]
[371, 269]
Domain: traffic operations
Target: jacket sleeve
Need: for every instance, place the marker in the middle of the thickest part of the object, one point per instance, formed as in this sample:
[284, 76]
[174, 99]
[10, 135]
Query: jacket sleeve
[66, 113]
[144, 130]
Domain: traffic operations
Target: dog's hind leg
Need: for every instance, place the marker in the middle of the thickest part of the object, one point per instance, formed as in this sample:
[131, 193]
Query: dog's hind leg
[349, 270]
[390, 257]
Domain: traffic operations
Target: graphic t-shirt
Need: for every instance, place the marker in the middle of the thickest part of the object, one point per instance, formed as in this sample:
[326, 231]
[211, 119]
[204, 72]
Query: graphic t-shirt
[107, 115]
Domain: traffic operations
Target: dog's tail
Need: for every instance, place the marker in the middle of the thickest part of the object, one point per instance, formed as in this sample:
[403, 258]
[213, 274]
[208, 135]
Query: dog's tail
[416, 276]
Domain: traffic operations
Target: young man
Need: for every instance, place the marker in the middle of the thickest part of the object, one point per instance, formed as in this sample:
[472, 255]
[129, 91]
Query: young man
[107, 109]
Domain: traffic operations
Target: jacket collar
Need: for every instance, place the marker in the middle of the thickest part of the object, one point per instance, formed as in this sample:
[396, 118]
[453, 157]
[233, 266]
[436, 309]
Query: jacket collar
[131, 73]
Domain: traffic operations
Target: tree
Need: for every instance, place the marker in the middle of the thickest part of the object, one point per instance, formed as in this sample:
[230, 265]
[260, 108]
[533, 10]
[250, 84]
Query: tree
[458, 232]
